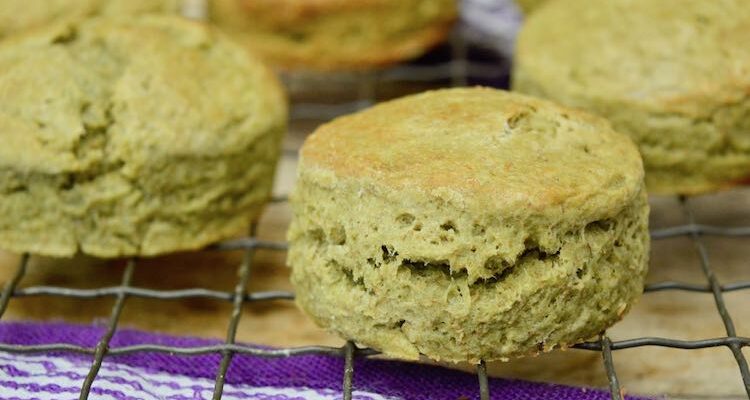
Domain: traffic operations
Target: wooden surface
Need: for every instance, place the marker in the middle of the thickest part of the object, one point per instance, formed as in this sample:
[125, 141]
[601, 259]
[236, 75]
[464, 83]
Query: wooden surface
[710, 373]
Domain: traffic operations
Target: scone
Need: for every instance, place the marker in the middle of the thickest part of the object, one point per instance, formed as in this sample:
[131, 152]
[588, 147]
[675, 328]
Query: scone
[673, 74]
[19, 15]
[468, 224]
[132, 137]
[527, 6]
[335, 34]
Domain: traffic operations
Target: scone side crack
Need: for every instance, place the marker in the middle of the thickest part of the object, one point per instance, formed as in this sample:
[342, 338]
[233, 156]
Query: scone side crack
[91, 149]
[476, 246]
[499, 267]
[607, 241]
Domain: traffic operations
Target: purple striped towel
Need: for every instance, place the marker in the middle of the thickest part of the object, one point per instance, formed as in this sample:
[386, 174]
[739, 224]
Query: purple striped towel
[152, 375]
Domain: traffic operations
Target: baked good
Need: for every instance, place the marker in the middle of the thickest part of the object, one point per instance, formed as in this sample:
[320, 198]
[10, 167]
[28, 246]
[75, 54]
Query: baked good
[673, 74]
[132, 137]
[335, 34]
[527, 6]
[19, 15]
[468, 224]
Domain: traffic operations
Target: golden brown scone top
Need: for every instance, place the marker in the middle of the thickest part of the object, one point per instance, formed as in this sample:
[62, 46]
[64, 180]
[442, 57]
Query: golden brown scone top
[336, 34]
[482, 147]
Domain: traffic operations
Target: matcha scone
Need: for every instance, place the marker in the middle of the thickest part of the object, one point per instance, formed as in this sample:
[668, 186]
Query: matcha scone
[468, 224]
[19, 15]
[132, 137]
[336, 34]
[527, 6]
[673, 74]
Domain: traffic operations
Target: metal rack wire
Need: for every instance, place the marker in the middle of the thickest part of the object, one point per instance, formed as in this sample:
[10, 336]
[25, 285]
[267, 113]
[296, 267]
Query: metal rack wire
[350, 351]
[456, 71]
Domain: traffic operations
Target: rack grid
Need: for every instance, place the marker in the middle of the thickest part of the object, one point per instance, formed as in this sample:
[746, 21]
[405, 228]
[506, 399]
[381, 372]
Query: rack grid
[350, 351]
[458, 70]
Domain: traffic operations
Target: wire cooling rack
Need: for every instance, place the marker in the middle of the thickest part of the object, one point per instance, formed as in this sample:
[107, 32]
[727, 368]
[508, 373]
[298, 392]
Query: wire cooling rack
[456, 66]
[350, 351]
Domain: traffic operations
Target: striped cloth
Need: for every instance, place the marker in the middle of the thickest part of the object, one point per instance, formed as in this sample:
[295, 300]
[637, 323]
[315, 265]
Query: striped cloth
[59, 376]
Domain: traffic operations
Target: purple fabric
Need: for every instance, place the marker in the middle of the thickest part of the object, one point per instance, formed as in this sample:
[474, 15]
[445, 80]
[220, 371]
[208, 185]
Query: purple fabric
[391, 378]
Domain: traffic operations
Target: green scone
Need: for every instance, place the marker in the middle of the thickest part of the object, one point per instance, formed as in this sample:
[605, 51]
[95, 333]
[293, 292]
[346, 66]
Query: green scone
[20, 15]
[673, 74]
[527, 6]
[468, 224]
[132, 137]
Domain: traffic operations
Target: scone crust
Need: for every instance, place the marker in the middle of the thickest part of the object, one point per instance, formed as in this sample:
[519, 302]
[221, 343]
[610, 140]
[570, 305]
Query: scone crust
[527, 6]
[673, 74]
[336, 34]
[132, 137]
[19, 15]
[468, 224]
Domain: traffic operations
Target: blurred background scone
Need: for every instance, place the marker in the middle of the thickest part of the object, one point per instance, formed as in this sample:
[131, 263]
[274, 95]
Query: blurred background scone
[674, 74]
[336, 34]
[468, 224]
[19, 15]
[132, 137]
[527, 6]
